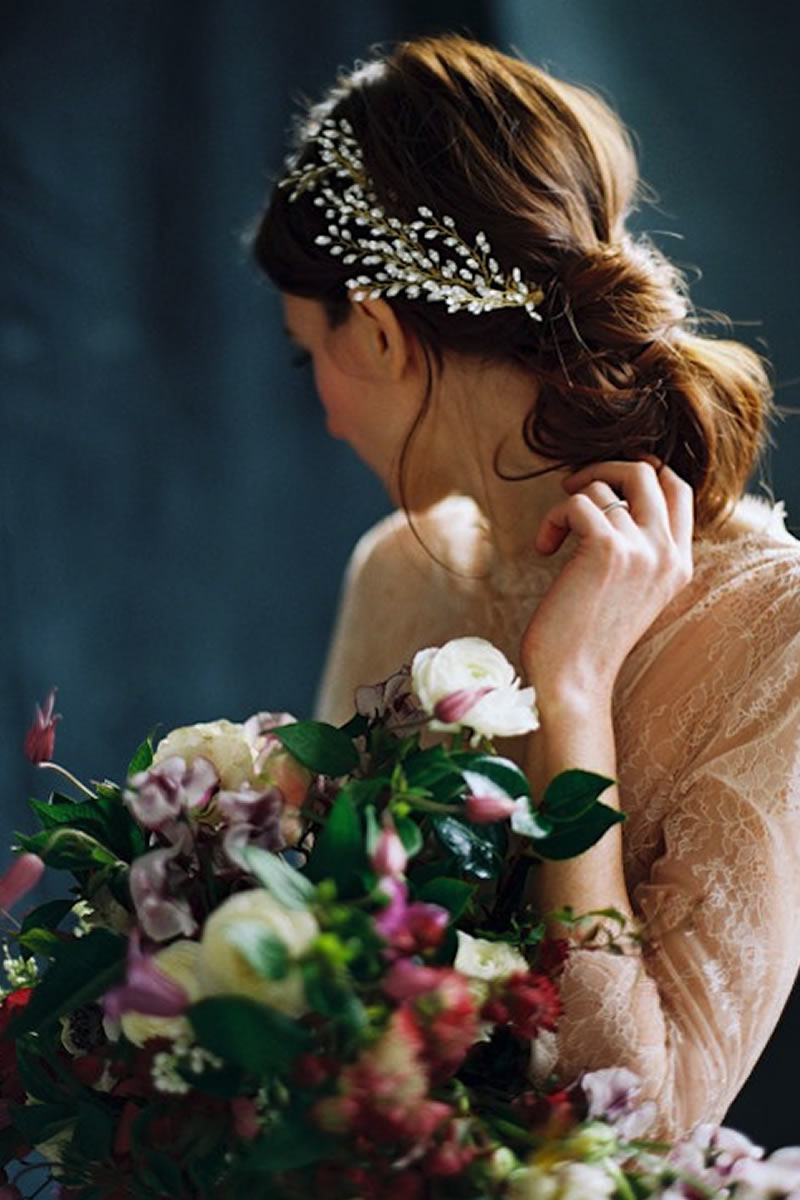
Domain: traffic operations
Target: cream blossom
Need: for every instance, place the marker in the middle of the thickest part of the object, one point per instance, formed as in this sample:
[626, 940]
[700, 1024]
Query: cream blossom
[223, 969]
[222, 742]
[179, 961]
[469, 683]
[562, 1181]
[481, 959]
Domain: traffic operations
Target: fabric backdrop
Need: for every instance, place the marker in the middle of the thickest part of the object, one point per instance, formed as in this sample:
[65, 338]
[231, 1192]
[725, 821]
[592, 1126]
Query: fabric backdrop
[173, 518]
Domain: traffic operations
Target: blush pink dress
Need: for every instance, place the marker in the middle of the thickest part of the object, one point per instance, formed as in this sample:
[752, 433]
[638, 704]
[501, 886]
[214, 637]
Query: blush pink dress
[707, 723]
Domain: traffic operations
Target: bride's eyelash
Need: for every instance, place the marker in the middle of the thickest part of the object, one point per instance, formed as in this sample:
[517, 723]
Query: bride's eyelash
[300, 358]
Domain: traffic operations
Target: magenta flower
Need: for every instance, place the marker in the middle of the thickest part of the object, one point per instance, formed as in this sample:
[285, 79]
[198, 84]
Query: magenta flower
[389, 856]
[254, 819]
[452, 709]
[159, 795]
[146, 989]
[23, 874]
[406, 980]
[408, 928]
[40, 739]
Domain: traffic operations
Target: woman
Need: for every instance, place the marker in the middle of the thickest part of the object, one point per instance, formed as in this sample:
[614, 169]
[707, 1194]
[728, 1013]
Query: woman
[527, 380]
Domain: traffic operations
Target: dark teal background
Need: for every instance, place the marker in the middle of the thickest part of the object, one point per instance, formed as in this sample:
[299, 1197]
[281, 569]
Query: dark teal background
[173, 518]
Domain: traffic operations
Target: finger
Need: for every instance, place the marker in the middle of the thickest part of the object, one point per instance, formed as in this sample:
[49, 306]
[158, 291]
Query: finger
[637, 482]
[606, 499]
[679, 499]
[579, 515]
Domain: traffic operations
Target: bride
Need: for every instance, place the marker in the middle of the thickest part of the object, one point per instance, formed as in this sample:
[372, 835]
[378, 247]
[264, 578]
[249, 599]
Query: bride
[568, 455]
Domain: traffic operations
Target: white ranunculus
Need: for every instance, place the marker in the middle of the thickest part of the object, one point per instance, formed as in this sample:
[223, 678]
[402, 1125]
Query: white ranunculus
[223, 969]
[481, 959]
[178, 961]
[223, 742]
[564, 1181]
[443, 678]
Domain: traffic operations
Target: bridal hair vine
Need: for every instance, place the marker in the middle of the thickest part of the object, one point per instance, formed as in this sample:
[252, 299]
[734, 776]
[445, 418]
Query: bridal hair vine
[425, 258]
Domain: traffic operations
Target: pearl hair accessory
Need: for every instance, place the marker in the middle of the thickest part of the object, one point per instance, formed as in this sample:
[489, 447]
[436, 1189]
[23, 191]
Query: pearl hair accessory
[426, 258]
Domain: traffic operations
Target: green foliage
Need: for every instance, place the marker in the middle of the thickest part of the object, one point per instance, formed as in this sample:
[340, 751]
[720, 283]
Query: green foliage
[339, 850]
[288, 886]
[265, 953]
[142, 756]
[502, 772]
[322, 748]
[476, 848]
[247, 1034]
[287, 1146]
[82, 969]
[453, 894]
[575, 817]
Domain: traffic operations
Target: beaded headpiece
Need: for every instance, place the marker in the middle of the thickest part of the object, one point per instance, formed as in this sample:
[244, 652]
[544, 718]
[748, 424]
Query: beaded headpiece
[425, 258]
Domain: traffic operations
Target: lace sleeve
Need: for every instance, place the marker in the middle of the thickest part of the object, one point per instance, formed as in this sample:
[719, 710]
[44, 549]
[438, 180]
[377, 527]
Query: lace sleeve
[691, 1013]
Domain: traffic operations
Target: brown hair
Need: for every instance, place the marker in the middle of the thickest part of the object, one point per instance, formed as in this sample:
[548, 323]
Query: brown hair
[547, 170]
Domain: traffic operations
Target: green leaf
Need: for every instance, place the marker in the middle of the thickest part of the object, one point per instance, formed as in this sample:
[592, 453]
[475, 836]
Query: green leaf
[504, 773]
[47, 916]
[142, 757]
[338, 853]
[528, 823]
[321, 747]
[453, 894]
[36, 1080]
[39, 1122]
[266, 953]
[410, 834]
[39, 941]
[285, 883]
[246, 1034]
[83, 969]
[286, 1147]
[569, 841]
[67, 849]
[472, 845]
[94, 1131]
[571, 794]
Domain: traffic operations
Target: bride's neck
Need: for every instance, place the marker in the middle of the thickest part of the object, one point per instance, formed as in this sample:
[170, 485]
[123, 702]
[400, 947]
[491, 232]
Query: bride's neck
[472, 444]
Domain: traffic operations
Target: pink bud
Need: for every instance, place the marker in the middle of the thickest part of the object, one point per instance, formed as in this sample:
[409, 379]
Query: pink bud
[451, 709]
[40, 739]
[245, 1117]
[406, 980]
[482, 810]
[20, 877]
[389, 856]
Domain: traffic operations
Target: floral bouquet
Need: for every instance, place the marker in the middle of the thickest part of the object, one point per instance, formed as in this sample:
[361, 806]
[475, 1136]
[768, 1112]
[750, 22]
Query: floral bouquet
[297, 958]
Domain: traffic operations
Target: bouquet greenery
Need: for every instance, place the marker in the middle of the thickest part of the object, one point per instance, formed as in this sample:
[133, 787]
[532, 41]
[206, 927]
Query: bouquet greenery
[297, 958]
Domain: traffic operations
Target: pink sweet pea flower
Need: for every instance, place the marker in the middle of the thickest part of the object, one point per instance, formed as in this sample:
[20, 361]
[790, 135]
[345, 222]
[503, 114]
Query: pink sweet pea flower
[158, 796]
[146, 989]
[408, 928]
[389, 856]
[40, 739]
[452, 709]
[23, 874]
[155, 883]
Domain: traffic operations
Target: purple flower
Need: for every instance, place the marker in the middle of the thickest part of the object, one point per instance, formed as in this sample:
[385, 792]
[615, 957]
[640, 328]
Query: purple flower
[391, 701]
[612, 1095]
[162, 793]
[41, 737]
[254, 819]
[146, 989]
[408, 928]
[155, 883]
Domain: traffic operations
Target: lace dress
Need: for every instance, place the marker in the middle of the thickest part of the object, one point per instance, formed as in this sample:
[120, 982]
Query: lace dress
[707, 724]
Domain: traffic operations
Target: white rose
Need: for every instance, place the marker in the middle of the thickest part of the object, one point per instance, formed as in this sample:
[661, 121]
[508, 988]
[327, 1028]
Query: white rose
[223, 969]
[223, 742]
[179, 961]
[564, 1181]
[482, 959]
[468, 682]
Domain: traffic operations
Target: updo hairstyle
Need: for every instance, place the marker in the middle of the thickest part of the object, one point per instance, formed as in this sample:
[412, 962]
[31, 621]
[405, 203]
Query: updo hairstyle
[547, 170]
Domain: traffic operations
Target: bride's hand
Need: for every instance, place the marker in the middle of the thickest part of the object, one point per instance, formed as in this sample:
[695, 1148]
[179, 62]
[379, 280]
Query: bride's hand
[630, 560]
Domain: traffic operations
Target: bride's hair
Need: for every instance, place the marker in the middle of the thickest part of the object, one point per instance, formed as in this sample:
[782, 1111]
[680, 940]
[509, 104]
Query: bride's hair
[548, 172]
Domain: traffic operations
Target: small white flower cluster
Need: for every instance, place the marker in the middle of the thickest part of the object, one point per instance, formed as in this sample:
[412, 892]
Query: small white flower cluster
[166, 1067]
[20, 972]
[426, 259]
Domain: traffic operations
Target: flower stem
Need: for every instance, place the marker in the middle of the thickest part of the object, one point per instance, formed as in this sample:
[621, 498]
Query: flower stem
[51, 766]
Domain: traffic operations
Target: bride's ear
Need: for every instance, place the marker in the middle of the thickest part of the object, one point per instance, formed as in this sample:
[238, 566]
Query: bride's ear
[391, 351]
